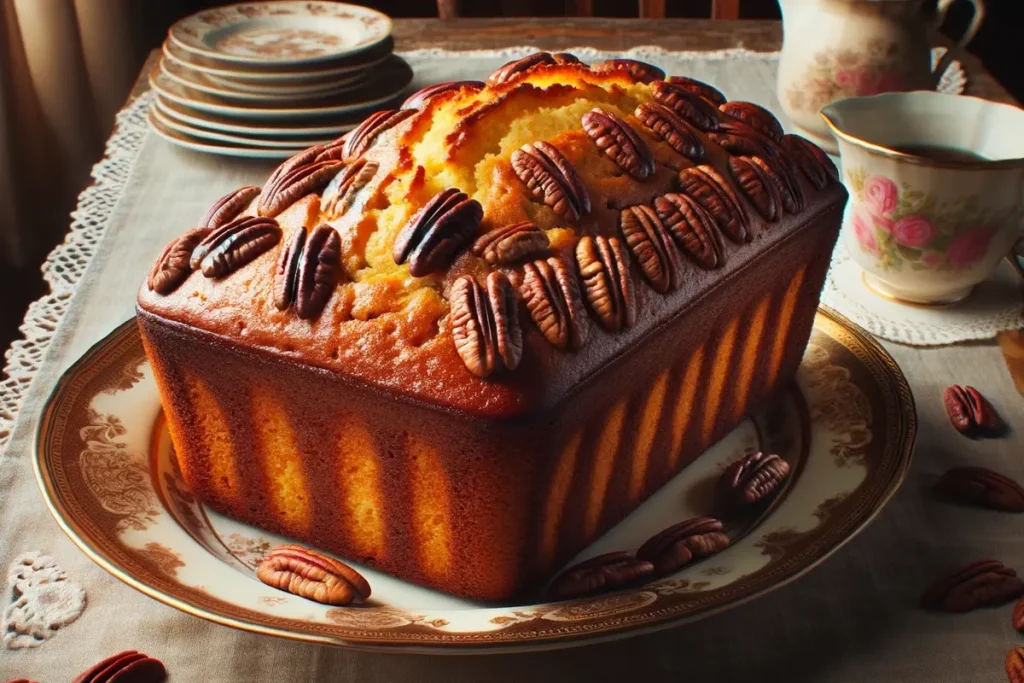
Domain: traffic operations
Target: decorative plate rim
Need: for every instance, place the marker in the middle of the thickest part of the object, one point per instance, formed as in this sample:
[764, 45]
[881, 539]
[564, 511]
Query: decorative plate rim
[196, 144]
[292, 146]
[168, 68]
[898, 446]
[197, 121]
[376, 38]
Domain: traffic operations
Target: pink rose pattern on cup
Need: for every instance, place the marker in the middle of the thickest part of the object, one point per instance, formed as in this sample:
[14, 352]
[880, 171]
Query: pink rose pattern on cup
[903, 227]
[835, 74]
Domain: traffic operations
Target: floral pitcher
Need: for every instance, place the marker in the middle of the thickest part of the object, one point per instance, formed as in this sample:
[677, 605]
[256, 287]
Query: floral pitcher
[843, 48]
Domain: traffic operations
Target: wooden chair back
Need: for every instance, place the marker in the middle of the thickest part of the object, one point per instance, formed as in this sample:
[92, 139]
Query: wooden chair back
[649, 9]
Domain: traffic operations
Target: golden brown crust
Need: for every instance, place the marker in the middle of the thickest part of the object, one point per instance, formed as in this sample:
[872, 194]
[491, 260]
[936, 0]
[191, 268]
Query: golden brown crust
[383, 326]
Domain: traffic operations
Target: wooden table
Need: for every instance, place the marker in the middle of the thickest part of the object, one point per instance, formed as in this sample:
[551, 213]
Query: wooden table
[611, 34]
[853, 619]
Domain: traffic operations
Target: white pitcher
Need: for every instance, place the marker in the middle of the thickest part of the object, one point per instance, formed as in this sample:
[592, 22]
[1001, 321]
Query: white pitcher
[842, 48]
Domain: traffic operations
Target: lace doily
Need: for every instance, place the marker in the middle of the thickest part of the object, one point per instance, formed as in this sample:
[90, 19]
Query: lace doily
[67, 263]
[994, 306]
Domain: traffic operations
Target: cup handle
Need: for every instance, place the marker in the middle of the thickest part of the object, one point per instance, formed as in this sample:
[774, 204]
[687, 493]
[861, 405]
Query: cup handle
[940, 16]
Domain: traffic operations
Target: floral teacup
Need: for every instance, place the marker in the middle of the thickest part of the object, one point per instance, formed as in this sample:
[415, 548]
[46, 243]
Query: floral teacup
[928, 223]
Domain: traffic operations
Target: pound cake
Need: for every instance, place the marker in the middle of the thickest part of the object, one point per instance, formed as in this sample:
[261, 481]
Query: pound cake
[465, 339]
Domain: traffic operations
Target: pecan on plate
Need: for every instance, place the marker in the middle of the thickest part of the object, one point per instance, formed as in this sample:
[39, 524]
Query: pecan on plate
[619, 142]
[598, 574]
[604, 269]
[485, 324]
[981, 487]
[369, 131]
[228, 207]
[419, 98]
[692, 227]
[713, 95]
[551, 179]
[312, 575]
[508, 71]
[970, 412]
[294, 184]
[1015, 665]
[641, 72]
[814, 163]
[340, 193]
[755, 116]
[125, 667]
[511, 243]
[759, 183]
[651, 245]
[174, 265]
[985, 583]
[692, 108]
[676, 546]
[433, 236]
[753, 478]
[677, 133]
[307, 271]
[234, 244]
[704, 184]
[552, 297]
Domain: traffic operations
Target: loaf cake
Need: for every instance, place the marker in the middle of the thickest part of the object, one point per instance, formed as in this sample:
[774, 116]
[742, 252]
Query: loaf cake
[465, 339]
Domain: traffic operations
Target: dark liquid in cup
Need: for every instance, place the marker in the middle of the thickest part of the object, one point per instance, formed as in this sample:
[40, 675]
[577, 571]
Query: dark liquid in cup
[940, 152]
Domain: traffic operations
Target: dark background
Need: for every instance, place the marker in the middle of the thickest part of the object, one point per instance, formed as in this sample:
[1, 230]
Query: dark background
[998, 44]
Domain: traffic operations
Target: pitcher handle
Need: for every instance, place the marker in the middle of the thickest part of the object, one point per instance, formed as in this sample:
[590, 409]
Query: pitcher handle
[940, 16]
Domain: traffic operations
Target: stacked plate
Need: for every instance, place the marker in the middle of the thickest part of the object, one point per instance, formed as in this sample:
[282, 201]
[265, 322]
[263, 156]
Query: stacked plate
[266, 79]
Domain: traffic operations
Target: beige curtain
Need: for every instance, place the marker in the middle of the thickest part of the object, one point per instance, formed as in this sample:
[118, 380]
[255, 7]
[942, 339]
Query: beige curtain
[66, 67]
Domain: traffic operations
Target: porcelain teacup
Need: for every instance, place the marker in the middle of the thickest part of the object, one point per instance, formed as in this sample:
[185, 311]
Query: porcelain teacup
[927, 227]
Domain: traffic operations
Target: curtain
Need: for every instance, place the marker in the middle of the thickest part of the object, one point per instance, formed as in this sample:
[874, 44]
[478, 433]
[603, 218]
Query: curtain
[66, 67]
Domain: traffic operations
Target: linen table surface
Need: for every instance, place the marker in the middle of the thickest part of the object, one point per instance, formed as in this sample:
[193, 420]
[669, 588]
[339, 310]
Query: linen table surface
[853, 619]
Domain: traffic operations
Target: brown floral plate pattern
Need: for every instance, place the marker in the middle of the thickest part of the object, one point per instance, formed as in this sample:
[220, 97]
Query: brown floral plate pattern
[283, 33]
[106, 468]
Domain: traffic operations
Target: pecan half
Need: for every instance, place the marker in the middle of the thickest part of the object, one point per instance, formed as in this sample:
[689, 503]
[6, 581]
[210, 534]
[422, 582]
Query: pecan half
[312, 575]
[234, 244]
[651, 245]
[782, 172]
[676, 546]
[421, 96]
[1015, 665]
[735, 143]
[294, 184]
[507, 71]
[714, 194]
[308, 271]
[340, 193]
[328, 152]
[511, 243]
[663, 122]
[754, 178]
[369, 131]
[690, 107]
[753, 478]
[228, 207]
[604, 268]
[129, 666]
[485, 324]
[174, 264]
[970, 412]
[755, 116]
[641, 72]
[552, 296]
[711, 94]
[433, 236]
[551, 179]
[692, 227]
[1018, 619]
[985, 583]
[619, 142]
[814, 163]
[599, 574]
[981, 487]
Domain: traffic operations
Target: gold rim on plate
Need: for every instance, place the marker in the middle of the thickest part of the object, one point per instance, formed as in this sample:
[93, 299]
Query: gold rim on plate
[855, 430]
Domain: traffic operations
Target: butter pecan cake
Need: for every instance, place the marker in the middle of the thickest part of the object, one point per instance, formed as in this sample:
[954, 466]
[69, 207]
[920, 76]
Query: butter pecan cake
[465, 339]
